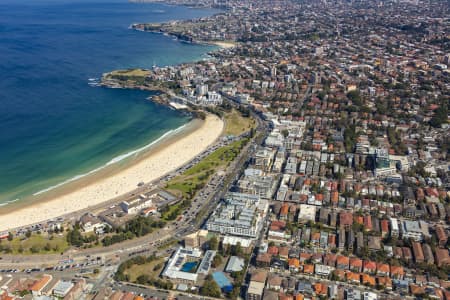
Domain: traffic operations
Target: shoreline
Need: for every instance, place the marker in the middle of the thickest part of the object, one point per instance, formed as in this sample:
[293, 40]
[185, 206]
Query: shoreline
[113, 166]
[161, 158]
[184, 38]
[68, 198]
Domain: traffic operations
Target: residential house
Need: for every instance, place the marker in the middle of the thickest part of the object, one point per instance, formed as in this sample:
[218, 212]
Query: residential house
[263, 260]
[346, 220]
[442, 257]
[369, 267]
[356, 264]
[428, 254]
[383, 269]
[342, 262]
[274, 282]
[417, 251]
[397, 272]
[441, 236]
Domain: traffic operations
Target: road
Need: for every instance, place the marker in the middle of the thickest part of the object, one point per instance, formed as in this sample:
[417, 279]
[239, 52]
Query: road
[140, 189]
[204, 203]
[316, 278]
[156, 293]
[107, 259]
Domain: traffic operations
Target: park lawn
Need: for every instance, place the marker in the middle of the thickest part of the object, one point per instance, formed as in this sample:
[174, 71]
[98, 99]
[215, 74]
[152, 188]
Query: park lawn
[131, 73]
[187, 186]
[236, 124]
[146, 269]
[171, 210]
[57, 245]
[197, 176]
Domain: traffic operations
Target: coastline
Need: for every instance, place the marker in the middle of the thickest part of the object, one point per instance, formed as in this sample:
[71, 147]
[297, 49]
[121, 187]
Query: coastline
[181, 37]
[162, 158]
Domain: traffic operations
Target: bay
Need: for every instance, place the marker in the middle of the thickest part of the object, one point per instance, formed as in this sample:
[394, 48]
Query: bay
[53, 125]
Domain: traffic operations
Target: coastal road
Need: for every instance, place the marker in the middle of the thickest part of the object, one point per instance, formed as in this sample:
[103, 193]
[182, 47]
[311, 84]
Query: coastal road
[149, 243]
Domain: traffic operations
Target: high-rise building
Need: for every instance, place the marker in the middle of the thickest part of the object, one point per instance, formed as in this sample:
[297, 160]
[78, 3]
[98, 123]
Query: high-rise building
[201, 89]
[273, 71]
[382, 158]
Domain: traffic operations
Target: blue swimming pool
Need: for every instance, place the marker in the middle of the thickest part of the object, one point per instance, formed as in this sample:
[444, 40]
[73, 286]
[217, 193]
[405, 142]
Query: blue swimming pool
[189, 266]
[222, 281]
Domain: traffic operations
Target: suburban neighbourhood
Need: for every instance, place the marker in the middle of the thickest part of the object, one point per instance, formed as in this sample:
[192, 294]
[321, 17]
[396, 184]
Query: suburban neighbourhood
[331, 180]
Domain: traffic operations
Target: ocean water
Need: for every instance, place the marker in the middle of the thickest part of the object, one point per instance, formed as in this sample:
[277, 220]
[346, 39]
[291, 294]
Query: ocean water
[53, 125]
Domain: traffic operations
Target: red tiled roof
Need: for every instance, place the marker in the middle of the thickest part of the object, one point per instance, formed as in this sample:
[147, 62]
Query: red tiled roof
[259, 276]
[384, 268]
[356, 262]
[305, 256]
[369, 265]
[397, 270]
[342, 260]
[334, 196]
[40, 283]
[278, 223]
[299, 297]
[384, 281]
[339, 273]
[351, 276]
[440, 233]
[442, 257]
[309, 268]
[367, 279]
[416, 290]
[359, 219]
[284, 209]
[294, 262]
[283, 251]
[320, 288]
[345, 218]
[384, 226]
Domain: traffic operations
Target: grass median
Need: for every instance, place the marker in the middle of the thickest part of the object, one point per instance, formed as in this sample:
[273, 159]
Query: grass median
[195, 178]
[35, 244]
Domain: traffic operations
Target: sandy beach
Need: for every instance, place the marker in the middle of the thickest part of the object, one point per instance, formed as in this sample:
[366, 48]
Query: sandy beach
[174, 154]
[225, 45]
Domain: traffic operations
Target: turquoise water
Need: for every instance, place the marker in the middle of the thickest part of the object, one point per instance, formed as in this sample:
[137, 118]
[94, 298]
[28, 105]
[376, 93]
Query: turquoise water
[55, 127]
[189, 266]
[222, 281]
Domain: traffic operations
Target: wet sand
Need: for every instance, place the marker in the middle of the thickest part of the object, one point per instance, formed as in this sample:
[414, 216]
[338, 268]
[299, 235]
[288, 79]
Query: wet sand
[160, 159]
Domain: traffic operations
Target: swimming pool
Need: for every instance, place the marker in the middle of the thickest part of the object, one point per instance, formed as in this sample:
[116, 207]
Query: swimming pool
[189, 267]
[222, 281]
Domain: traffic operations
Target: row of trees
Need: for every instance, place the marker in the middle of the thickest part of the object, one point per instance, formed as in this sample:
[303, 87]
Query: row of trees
[440, 115]
[210, 288]
[144, 279]
[171, 214]
[236, 250]
[137, 260]
[395, 140]
[136, 227]
[75, 238]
